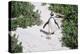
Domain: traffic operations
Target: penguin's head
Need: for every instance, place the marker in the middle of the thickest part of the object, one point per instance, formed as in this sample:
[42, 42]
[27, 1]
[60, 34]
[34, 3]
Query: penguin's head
[52, 14]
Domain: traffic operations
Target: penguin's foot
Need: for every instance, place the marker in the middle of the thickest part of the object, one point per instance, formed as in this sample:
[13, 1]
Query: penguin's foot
[48, 38]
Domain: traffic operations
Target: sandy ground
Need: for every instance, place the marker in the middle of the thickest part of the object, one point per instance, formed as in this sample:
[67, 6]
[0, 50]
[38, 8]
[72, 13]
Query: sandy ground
[34, 40]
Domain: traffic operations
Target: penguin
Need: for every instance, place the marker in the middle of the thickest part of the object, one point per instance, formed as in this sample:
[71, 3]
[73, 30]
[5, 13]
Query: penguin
[51, 22]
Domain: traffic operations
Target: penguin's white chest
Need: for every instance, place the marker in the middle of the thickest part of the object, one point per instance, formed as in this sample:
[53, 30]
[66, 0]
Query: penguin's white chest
[52, 25]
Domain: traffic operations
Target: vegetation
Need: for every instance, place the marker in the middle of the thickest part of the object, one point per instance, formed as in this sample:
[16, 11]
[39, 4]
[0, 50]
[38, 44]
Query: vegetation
[16, 47]
[70, 23]
[21, 8]
[24, 14]
[13, 24]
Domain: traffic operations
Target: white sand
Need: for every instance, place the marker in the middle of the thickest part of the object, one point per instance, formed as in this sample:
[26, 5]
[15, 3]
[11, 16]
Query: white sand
[34, 40]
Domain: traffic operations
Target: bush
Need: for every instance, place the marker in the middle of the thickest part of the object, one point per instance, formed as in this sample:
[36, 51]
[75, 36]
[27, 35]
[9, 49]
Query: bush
[70, 23]
[24, 14]
[21, 8]
[13, 25]
[15, 47]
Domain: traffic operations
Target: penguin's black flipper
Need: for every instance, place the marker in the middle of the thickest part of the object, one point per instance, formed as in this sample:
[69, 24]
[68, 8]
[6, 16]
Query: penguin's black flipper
[45, 24]
[56, 23]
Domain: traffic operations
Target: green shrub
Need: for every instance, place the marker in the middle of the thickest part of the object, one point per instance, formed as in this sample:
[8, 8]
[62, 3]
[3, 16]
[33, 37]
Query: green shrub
[21, 8]
[13, 25]
[24, 14]
[15, 46]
